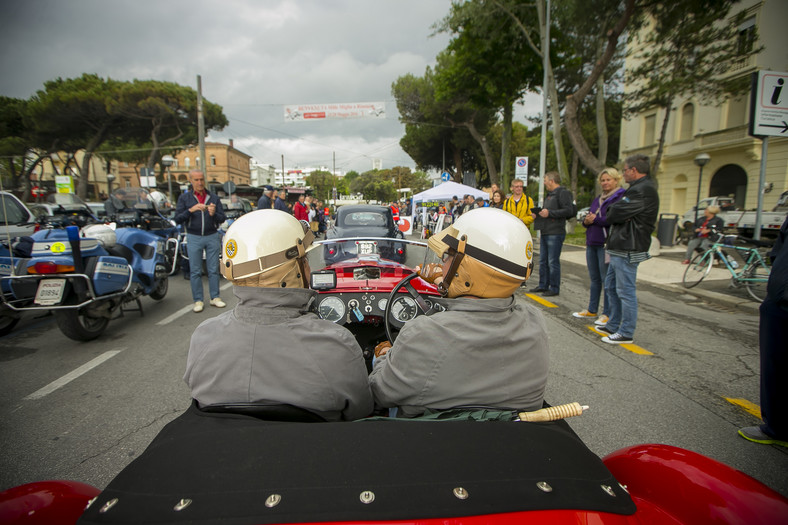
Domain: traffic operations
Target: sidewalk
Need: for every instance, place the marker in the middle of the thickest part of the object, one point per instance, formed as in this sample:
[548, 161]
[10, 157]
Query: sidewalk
[666, 271]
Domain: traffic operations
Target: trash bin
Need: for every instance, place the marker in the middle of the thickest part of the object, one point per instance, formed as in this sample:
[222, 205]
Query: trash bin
[666, 228]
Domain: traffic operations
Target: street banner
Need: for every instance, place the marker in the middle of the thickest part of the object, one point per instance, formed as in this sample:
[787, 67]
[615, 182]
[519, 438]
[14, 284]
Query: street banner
[302, 112]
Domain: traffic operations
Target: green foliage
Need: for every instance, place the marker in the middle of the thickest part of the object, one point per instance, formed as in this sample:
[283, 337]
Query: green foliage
[375, 185]
[691, 44]
[322, 183]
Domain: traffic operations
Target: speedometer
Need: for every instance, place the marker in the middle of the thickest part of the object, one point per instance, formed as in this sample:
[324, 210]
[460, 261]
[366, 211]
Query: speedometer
[404, 309]
[331, 309]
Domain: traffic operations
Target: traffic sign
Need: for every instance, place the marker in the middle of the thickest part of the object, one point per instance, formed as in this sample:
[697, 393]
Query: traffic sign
[521, 168]
[445, 176]
[769, 104]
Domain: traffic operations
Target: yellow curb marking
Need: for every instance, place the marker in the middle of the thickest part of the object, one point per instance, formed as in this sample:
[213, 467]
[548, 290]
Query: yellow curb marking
[635, 349]
[747, 406]
[541, 301]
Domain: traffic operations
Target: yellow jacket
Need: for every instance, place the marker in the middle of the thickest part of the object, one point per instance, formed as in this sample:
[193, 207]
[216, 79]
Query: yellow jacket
[521, 210]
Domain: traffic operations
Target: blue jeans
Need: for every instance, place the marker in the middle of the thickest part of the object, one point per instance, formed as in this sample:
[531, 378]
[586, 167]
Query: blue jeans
[597, 271]
[620, 293]
[550, 262]
[212, 245]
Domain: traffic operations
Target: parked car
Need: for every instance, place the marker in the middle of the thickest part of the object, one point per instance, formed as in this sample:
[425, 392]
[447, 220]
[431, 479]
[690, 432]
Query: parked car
[735, 220]
[98, 209]
[16, 219]
[63, 209]
[364, 220]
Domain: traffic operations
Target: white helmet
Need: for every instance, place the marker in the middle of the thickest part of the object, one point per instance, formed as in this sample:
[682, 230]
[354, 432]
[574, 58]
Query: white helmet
[491, 250]
[102, 233]
[267, 248]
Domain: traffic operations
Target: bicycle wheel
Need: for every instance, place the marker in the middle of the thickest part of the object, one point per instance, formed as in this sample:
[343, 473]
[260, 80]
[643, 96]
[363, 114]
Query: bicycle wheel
[757, 276]
[698, 268]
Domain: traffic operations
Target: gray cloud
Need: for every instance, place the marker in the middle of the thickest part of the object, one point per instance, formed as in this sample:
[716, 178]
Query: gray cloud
[253, 57]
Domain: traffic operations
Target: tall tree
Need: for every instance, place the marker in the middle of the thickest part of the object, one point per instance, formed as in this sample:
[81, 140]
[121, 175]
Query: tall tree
[72, 115]
[492, 65]
[18, 155]
[161, 114]
[684, 52]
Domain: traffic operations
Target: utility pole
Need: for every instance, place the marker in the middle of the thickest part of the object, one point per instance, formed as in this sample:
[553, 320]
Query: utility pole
[201, 130]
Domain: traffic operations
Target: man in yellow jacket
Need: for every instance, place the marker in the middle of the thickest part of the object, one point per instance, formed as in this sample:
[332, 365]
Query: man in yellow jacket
[519, 204]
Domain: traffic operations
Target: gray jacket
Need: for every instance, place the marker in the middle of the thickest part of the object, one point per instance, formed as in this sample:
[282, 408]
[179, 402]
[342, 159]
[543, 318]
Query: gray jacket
[270, 348]
[490, 352]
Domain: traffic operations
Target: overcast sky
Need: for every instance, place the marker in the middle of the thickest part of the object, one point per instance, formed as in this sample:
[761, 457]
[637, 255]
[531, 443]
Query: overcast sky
[254, 57]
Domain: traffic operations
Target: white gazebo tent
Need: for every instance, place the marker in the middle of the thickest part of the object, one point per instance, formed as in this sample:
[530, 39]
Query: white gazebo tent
[444, 192]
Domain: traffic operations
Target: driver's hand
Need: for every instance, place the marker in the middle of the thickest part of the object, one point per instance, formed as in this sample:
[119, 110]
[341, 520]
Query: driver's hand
[432, 273]
[382, 348]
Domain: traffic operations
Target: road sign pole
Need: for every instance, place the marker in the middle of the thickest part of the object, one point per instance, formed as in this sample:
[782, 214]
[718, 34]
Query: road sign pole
[761, 183]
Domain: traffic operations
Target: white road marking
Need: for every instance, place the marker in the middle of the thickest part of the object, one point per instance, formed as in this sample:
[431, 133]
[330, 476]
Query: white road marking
[187, 309]
[54, 385]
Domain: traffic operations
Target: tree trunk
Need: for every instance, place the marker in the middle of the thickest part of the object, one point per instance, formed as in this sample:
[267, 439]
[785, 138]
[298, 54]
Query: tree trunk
[661, 144]
[601, 120]
[457, 153]
[488, 157]
[506, 140]
[574, 100]
[84, 170]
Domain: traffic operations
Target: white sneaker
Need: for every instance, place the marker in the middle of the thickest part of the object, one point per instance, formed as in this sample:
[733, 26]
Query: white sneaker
[584, 314]
[198, 307]
[218, 303]
[602, 321]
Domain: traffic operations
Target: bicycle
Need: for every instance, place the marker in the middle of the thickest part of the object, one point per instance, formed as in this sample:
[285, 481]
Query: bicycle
[753, 274]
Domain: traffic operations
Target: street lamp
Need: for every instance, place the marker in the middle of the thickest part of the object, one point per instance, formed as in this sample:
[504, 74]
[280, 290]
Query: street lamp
[110, 178]
[167, 161]
[700, 161]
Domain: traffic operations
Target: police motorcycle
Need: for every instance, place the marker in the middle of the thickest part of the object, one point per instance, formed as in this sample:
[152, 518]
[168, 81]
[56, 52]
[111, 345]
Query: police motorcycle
[273, 463]
[86, 278]
[149, 211]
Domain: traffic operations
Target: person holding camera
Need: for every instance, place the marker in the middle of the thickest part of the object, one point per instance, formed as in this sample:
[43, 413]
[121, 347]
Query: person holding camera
[551, 220]
[597, 229]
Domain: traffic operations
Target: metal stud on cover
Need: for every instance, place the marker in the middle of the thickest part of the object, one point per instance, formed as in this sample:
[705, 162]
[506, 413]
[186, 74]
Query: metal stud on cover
[273, 500]
[182, 504]
[460, 493]
[108, 505]
[367, 497]
[609, 490]
[544, 486]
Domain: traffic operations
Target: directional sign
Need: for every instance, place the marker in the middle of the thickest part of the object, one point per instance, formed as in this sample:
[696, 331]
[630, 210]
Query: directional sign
[445, 176]
[769, 104]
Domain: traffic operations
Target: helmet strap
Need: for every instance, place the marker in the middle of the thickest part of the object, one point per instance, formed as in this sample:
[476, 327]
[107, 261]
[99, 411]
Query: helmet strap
[443, 287]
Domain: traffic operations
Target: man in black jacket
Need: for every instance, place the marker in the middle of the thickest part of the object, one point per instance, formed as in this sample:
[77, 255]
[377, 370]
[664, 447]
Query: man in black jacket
[201, 212]
[774, 356]
[558, 206]
[632, 220]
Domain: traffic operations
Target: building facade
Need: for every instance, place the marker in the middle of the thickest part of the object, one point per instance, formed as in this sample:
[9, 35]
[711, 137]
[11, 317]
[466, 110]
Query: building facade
[719, 130]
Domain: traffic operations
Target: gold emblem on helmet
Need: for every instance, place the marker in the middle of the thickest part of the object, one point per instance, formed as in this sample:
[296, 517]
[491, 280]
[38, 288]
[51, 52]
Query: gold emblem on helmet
[231, 248]
[529, 250]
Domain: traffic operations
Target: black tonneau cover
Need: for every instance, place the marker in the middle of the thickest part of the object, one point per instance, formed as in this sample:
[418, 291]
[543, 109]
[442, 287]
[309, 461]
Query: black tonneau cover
[233, 468]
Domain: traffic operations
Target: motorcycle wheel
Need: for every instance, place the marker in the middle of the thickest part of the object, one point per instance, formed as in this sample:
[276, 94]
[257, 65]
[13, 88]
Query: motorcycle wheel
[160, 291]
[7, 323]
[77, 326]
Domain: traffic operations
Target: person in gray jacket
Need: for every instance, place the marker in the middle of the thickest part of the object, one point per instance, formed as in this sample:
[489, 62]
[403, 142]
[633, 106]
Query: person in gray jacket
[488, 348]
[270, 348]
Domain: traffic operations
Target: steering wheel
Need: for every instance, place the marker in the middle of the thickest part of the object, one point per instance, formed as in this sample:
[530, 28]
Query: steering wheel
[420, 303]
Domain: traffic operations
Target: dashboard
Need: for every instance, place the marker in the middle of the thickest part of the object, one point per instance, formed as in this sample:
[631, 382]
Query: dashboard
[354, 307]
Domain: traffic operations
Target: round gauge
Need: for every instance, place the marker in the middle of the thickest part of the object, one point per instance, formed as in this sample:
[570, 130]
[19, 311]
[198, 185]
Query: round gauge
[331, 309]
[382, 304]
[404, 309]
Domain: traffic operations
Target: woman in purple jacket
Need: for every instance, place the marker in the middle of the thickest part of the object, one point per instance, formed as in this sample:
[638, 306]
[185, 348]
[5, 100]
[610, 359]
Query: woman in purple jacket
[596, 233]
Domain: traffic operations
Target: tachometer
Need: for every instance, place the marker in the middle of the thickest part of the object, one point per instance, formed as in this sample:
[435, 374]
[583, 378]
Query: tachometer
[331, 309]
[404, 309]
